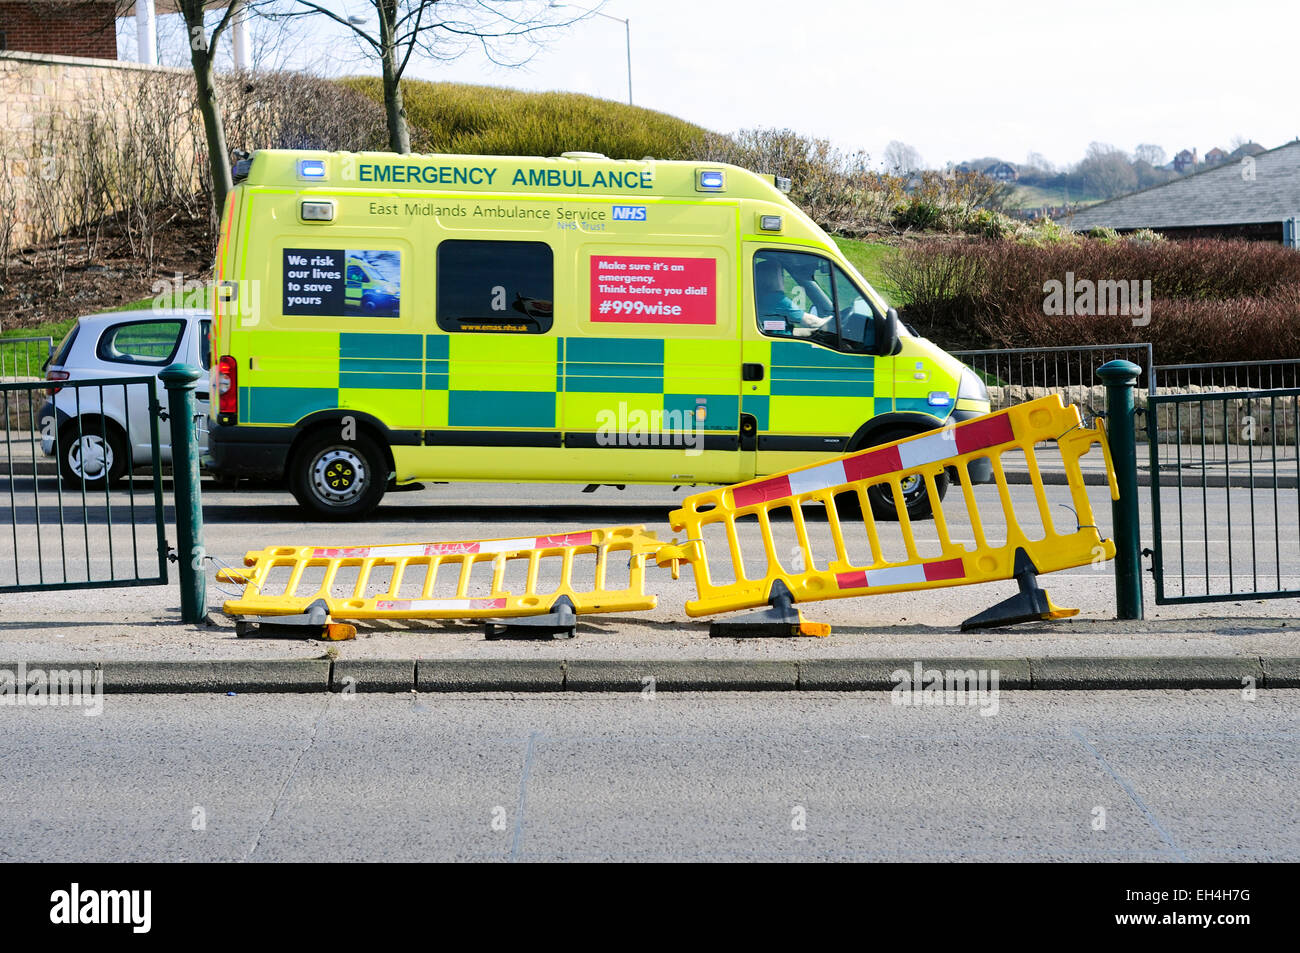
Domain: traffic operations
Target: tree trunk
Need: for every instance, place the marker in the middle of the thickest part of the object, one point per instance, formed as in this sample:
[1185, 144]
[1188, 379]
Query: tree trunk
[209, 105]
[399, 134]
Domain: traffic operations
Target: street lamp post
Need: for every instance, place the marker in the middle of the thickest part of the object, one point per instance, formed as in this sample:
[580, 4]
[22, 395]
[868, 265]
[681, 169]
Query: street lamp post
[627, 31]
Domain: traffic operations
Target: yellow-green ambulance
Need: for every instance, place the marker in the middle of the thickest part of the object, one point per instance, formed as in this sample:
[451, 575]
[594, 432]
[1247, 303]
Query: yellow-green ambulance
[576, 319]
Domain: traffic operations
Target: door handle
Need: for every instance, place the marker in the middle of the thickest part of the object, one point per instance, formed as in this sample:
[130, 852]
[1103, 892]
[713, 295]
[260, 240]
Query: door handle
[751, 372]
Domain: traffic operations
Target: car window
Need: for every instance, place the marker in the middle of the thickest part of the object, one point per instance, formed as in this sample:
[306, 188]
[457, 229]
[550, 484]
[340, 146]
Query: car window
[205, 344]
[64, 349]
[141, 342]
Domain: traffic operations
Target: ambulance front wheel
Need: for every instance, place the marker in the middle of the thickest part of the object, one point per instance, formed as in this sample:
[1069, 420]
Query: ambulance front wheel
[338, 479]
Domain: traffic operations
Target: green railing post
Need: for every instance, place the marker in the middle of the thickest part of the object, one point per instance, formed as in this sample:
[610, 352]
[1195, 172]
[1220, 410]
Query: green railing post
[179, 380]
[1120, 378]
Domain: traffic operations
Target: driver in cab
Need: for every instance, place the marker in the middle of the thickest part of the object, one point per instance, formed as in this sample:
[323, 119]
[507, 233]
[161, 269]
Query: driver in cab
[773, 303]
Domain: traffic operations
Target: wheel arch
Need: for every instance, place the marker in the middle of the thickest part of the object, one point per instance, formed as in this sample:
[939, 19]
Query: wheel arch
[90, 428]
[895, 420]
[372, 426]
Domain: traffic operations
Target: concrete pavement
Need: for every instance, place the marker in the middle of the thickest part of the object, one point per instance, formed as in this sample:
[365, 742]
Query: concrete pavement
[139, 624]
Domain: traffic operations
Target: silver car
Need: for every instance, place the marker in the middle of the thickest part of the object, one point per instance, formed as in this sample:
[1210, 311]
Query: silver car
[102, 431]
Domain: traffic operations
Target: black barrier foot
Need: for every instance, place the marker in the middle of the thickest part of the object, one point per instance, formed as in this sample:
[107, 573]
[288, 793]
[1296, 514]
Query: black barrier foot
[560, 623]
[780, 620]
[1031, 604]
[313, 624]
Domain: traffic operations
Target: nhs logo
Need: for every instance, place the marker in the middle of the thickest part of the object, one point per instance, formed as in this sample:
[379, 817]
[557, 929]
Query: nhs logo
[629, 213]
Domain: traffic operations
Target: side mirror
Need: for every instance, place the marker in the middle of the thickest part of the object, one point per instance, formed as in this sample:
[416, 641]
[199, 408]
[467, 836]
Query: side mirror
[887, 339]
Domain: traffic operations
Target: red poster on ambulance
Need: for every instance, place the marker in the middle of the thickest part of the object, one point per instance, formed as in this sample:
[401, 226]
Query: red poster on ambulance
[653, 290]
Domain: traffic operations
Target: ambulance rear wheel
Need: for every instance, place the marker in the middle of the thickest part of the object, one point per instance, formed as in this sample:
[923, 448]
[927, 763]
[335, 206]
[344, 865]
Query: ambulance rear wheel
[916, 495]
[336, 479]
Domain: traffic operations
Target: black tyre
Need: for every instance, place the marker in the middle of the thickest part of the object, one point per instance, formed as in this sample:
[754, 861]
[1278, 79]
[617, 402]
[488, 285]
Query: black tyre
[92, 453]
[336, 479]
[916, 495]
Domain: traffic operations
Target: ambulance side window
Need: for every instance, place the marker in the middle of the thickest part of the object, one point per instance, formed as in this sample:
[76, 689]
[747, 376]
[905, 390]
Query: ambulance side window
[495, 287]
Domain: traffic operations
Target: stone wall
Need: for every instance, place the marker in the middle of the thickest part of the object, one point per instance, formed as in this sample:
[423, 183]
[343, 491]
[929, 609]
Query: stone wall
[47, 101]
[1216, 421]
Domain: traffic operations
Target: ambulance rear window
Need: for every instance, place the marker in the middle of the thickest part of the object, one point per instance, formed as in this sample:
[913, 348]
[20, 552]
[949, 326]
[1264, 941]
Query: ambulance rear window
[495, 287]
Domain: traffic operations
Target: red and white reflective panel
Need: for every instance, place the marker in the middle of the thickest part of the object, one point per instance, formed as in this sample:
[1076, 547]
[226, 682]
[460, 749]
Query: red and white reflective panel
[438, 605]
[407, 550]
[979, 434]
[902, 575]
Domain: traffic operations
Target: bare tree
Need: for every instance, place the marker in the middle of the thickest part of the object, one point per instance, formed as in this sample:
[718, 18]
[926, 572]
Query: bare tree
[901, 159]
[1036, 160]
[1149, 153]
[509, 33]
[202, 41]
[1107, 171]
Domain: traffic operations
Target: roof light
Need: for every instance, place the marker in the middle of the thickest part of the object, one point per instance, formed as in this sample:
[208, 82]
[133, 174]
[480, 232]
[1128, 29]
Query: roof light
[769, 223]
[313, 170]
[318, 211]
[710, 180]
[783, 184]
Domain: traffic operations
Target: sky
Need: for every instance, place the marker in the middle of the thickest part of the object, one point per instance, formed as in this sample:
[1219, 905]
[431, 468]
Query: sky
[956, 79]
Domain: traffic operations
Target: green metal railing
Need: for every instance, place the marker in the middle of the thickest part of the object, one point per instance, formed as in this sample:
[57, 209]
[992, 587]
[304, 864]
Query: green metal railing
[23, 359]
[71, 533]
[1225, 525]
[1017, 374]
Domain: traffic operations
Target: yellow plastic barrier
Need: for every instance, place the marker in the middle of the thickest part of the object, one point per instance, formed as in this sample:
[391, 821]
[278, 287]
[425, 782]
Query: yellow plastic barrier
[814, 489]
[445, 580]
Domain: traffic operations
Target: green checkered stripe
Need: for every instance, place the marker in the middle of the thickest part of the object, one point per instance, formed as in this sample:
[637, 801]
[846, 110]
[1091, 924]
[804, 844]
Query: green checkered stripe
[616, 368]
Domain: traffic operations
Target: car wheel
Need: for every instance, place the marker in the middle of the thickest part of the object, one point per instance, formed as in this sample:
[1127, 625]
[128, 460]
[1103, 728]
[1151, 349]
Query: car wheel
[91, 454]
[916, 495]
[338, 479]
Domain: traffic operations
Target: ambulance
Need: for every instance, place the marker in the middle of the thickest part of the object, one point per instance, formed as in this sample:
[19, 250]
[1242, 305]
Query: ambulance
[382, 319]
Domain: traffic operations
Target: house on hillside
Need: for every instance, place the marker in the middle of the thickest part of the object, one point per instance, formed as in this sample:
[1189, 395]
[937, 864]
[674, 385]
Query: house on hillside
[1002, 172]
[1259, 200]
[1246, 149]
[1185, 161]
[1215, 156]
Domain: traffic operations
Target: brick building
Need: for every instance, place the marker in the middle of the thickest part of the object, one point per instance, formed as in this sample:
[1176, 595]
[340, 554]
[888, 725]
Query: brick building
[63, 27]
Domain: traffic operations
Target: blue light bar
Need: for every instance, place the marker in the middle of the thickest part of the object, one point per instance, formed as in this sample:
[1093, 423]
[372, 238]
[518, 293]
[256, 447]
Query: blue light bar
[313, 169]
[939, 398]
[711, 180]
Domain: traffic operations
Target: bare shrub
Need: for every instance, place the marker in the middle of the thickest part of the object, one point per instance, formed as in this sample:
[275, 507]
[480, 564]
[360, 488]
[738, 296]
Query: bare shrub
[834, 187]
[8, 205]
[299, 111]
[1210, 300]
